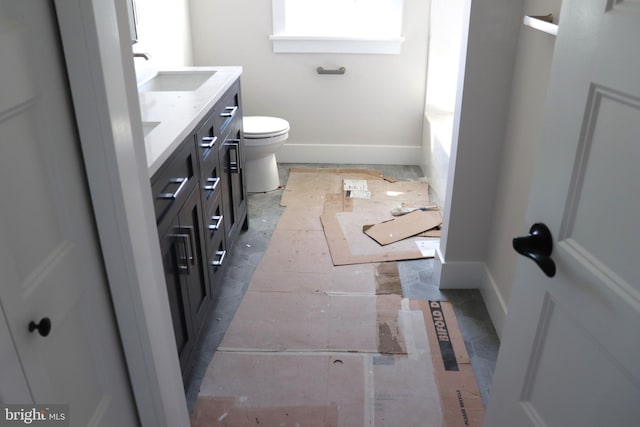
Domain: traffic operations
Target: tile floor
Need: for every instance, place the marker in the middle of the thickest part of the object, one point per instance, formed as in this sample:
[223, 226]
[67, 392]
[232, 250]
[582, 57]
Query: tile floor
[417, 282]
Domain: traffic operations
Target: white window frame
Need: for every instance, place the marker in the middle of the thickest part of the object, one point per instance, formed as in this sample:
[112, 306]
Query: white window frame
[284, 42]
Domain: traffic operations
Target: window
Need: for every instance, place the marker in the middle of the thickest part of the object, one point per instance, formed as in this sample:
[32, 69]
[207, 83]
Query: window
[337, 26]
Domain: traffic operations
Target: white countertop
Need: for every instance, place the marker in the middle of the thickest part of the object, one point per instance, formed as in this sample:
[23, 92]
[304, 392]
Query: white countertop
[179, 112]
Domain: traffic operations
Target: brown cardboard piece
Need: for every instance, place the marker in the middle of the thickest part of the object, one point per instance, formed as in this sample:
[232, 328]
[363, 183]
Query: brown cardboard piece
[404, 226]
[295, 388]
[387, 279]
[316, 322]
[221, 412]
[307, 186]
[460, 399]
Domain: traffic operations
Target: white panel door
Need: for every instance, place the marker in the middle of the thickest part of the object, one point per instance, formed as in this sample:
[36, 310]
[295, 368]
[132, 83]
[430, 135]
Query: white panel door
[571, 349]
[50, 262]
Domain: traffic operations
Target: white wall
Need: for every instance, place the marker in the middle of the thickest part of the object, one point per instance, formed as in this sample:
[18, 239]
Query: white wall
[445, 43]
[163, 32]
[522, 136]
[372, 114]
[481, 112]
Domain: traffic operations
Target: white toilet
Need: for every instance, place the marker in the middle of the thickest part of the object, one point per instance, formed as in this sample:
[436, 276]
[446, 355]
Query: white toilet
[262, 138]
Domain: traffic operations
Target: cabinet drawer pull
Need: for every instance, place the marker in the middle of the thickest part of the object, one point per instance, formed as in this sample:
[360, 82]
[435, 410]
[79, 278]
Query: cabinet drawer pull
[218, 262]
[218, 219]
[208, 141]
[215, 182]
[174, 195]
[229, 111]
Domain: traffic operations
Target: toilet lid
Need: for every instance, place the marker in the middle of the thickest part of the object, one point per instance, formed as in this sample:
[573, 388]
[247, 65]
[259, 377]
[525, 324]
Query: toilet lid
[264, 127]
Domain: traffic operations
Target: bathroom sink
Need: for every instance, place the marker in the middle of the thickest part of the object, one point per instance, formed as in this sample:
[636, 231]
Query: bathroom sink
[176, 81]
[148, 127]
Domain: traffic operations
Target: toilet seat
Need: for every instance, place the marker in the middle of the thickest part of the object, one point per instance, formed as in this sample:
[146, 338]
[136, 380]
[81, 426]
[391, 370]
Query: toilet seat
[259, 127]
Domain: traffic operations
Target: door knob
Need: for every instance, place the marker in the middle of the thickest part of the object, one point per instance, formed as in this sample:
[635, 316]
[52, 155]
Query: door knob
[537, 246]
[43, 327]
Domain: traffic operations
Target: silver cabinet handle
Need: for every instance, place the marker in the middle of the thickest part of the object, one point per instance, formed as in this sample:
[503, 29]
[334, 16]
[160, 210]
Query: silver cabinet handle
[218, 262]
[174, 195]
[229, 111]
[191, 248]
[218, 219]
[233, 163]
[208, 141]
[184, 268]
[215, 182]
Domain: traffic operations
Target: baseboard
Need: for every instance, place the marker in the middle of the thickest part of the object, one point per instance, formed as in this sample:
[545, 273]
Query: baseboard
[472, 275]
[350, 154]
[493, 300]
[457, 274]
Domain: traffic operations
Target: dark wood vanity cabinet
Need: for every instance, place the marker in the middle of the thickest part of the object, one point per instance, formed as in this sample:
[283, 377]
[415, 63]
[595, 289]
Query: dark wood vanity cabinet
[201, 204]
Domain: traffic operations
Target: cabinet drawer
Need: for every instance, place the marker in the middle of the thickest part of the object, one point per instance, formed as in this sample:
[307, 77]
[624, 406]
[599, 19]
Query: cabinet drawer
[173, 183]
[228, 109]
[207, 143]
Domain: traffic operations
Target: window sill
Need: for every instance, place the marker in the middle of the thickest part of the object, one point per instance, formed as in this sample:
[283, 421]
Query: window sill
[308, 44]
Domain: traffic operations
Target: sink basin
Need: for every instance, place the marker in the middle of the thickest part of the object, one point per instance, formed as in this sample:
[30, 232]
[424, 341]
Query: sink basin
[176, 81]
[148, 127]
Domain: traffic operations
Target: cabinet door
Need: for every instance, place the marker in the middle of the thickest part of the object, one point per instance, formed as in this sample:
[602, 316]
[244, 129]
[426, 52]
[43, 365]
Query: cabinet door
[233, 193]
[239, 185]
[175, 263]
[197, 282]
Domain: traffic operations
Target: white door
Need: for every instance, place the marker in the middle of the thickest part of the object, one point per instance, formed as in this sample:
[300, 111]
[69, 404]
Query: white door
[50, 262]
[570, 354]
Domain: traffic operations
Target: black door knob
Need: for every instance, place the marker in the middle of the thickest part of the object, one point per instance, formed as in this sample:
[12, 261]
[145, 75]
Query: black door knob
[43, 327]
[537, 246]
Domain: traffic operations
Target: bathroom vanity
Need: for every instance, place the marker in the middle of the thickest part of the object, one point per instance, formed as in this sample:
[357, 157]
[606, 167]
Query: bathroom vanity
[192, 121]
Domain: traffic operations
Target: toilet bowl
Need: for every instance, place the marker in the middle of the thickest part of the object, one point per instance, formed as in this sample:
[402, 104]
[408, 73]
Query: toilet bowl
[262, 138]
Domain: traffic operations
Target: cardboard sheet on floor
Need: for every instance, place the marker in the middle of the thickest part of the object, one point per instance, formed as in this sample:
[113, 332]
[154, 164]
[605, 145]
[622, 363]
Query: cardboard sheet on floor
[353, 279]
[404, 226]
[342, 221]
[324, 389]
[302, 251]
[273, 389]
[294, 321]
[307, 186]
[404, 386]
[460, 399]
